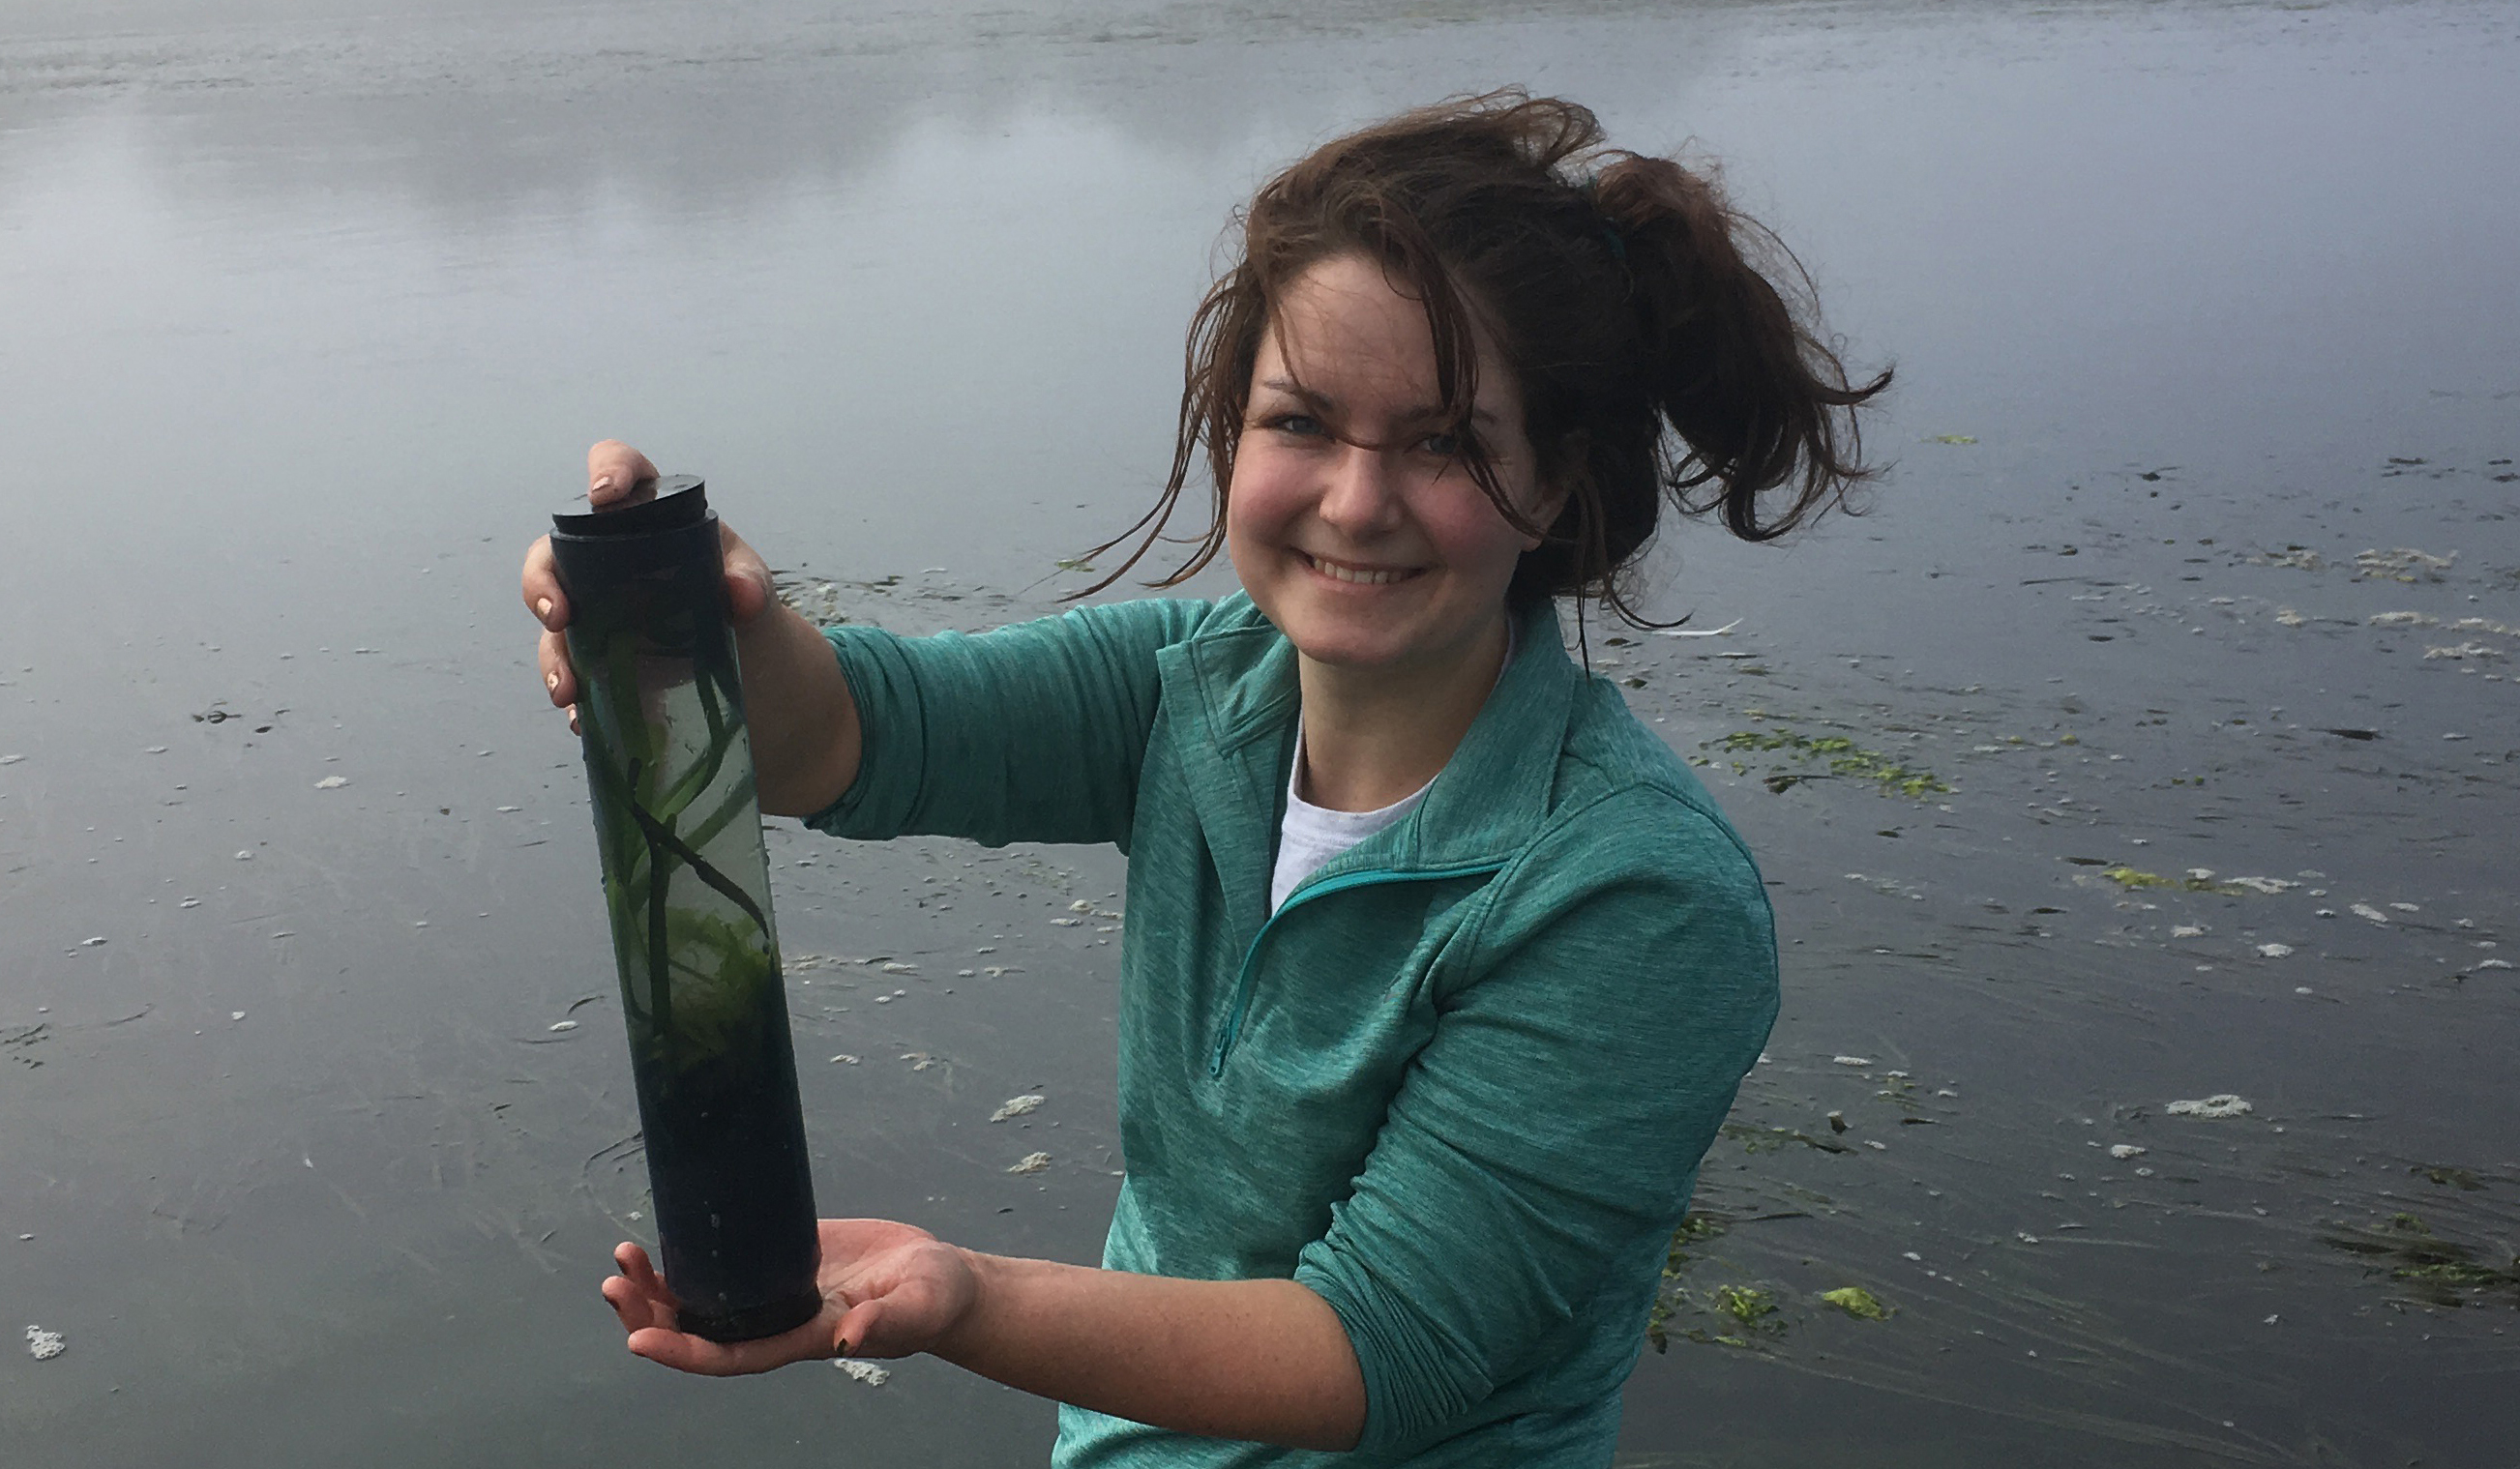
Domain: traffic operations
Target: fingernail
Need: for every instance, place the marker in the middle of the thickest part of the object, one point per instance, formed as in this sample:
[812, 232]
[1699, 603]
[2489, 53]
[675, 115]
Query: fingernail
[542, 607]
[602, 483]
[551, 681]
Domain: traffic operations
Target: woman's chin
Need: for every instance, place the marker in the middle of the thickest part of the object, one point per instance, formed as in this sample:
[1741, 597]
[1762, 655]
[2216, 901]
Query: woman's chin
[1345, 659]
[1410, 649]
[1352, 652]
[1337, 643]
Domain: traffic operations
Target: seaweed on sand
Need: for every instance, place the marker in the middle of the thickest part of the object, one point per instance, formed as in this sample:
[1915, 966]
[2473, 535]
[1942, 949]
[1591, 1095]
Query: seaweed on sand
[1737, 1313]
[1757, 1139]
[1857, 1303]
[1694, 1229]
[2435, 1271]
[1843, 757]
[2196, 880]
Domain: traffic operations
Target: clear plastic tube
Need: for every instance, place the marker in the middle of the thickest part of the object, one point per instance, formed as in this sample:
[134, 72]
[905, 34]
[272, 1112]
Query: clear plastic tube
[687, 887]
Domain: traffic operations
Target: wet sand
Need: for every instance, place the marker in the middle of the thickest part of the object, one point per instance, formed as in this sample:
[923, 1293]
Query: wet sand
[2194, 559]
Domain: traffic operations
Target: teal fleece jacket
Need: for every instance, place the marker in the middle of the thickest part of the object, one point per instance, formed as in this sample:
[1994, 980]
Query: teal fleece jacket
[1459, 1085]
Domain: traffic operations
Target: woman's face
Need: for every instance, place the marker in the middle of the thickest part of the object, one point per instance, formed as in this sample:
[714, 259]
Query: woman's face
[1350, 522]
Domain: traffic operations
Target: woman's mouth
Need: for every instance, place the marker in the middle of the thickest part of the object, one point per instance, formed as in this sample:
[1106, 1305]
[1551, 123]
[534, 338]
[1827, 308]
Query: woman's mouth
[1363, 576]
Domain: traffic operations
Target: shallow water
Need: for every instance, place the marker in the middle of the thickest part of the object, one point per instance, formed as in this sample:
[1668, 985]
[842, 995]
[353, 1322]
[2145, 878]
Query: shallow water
[312, 313]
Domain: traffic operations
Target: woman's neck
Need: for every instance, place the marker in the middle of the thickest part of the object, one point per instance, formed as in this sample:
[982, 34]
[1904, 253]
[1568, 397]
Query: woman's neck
[1373, 735]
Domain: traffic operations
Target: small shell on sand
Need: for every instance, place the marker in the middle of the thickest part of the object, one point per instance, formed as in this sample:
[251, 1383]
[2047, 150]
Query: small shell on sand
[1018, 1106]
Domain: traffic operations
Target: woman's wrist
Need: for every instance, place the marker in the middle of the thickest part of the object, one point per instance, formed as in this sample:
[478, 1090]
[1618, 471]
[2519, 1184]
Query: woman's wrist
[804, 722]
[964, 1339]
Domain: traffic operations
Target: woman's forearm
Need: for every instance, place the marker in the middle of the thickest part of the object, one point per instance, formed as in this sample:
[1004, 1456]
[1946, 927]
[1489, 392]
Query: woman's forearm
[797, 708]
[1266, 1360]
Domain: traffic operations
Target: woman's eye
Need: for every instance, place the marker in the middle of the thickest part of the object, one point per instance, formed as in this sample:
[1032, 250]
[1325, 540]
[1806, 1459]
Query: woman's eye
[1446, 445]
[1303, 424]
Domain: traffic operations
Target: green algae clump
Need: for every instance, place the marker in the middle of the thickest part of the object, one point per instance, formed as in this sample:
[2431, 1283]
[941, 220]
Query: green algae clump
[1694, 1229]
[2136, 880]
[1843, 757]
[1857, 1303]
[1745, 1304]
[1755, 1139]
[2435, 1271]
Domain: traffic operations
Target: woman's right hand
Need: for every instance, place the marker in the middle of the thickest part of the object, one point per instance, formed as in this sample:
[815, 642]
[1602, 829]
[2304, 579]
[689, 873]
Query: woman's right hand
[618, 477]
[802, 721]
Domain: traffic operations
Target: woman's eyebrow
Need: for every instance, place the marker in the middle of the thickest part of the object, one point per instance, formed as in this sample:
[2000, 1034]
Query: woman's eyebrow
[1297, 391]
[1429, 412]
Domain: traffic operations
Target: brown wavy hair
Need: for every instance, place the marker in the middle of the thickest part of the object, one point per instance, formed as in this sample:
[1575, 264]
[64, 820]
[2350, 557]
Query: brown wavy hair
[1666, 345]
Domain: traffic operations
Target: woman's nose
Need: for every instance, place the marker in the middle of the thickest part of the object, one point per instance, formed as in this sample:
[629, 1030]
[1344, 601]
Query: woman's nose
[1363, 488]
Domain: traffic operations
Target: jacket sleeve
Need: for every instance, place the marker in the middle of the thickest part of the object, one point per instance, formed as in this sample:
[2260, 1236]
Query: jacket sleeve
[1031, 733]
[1543, 1144]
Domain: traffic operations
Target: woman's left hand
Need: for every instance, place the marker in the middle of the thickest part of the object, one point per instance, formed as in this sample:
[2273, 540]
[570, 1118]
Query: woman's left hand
[888, 1290]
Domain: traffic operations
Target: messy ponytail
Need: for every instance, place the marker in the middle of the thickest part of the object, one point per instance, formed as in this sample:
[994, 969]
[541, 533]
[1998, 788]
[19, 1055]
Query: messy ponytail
[1665, 344]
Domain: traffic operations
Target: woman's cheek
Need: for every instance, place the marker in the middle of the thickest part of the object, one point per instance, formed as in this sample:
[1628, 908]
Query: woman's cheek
[1467, 534]
[1259, 505]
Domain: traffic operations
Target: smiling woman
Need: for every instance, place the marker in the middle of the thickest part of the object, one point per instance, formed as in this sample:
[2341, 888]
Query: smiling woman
[1351, 523]
[1356, 531]
[1441, 969]
[1656, 341]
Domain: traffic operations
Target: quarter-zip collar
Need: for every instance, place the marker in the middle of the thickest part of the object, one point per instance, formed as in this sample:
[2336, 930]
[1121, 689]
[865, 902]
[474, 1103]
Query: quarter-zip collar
[1234, 684]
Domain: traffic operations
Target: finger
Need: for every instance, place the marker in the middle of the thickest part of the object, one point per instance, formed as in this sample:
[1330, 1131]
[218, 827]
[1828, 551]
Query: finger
[750, 586]
[686, 1352]
[860, 1333]
[637, 1308]
[573, 726]
[540, 586]
[559, 679]
[631, 1258]
[748, 593]
[619, 475]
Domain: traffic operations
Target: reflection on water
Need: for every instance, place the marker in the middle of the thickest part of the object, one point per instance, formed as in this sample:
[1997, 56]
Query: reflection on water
[2195, 558]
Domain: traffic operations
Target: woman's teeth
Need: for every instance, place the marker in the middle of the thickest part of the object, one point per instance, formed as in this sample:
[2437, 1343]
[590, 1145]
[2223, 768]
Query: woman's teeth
[1356, 574]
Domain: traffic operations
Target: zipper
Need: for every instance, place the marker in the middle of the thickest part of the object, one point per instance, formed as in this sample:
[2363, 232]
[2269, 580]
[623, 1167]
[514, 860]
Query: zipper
[1248, 978]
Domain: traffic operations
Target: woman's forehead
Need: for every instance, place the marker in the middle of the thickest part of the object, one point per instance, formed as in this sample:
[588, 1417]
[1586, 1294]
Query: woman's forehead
[1343, 333]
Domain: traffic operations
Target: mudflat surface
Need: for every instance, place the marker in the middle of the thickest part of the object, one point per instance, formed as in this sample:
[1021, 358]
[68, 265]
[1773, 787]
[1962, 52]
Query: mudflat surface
[2151, 738]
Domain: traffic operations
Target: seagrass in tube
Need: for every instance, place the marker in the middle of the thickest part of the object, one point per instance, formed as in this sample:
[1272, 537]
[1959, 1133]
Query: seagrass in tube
[686, 886]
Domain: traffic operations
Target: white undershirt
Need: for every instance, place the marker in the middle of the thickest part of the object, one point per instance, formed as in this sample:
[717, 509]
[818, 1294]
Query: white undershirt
[1311, 835]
